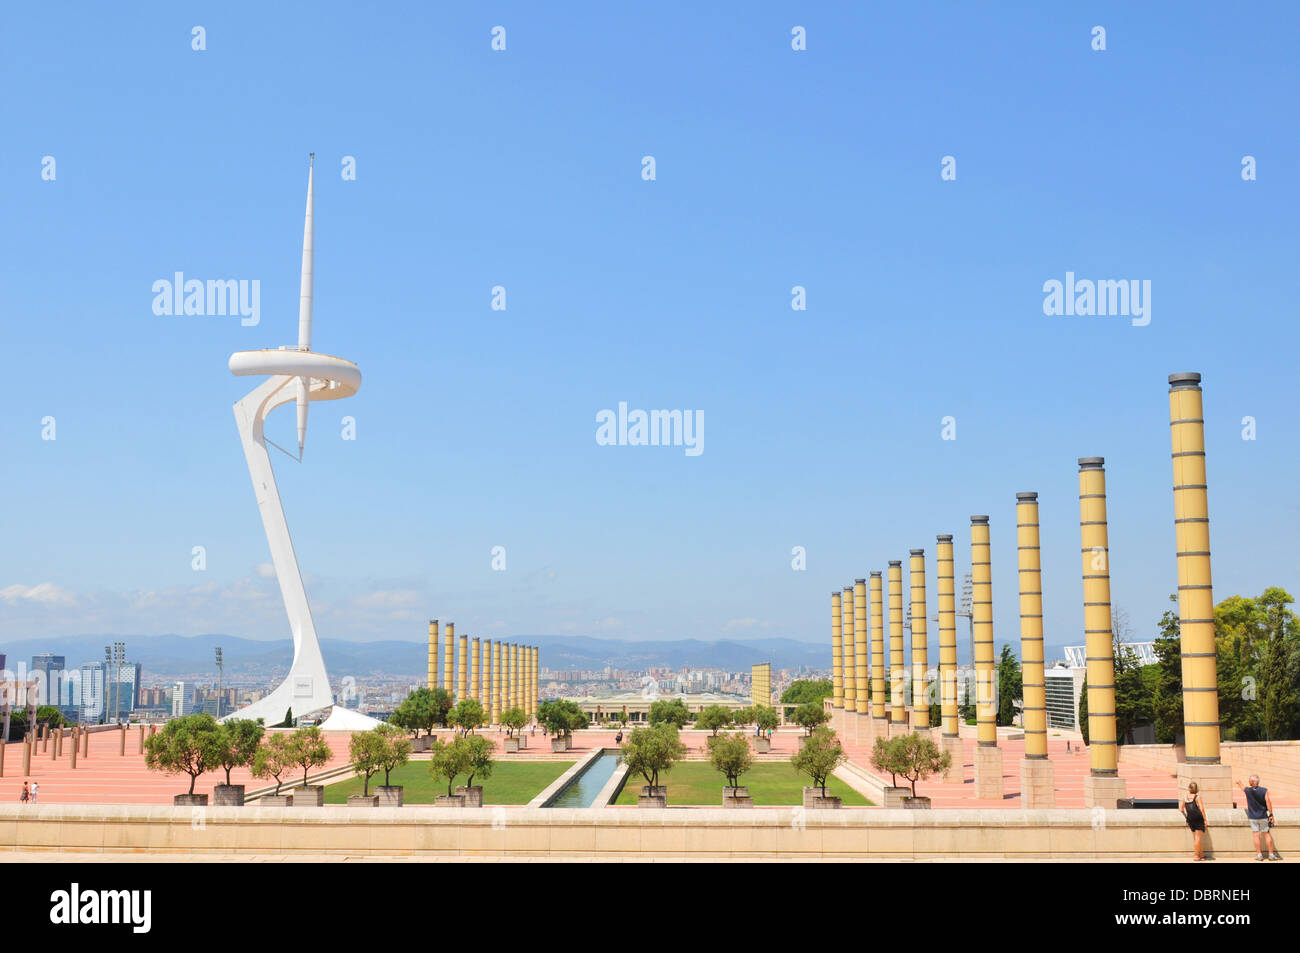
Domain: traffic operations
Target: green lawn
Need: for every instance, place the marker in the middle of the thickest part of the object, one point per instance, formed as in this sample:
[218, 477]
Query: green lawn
[770, 784]
[512, 782]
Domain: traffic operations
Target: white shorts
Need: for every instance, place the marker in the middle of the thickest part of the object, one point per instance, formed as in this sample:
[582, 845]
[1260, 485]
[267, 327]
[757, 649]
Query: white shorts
[1258, 824]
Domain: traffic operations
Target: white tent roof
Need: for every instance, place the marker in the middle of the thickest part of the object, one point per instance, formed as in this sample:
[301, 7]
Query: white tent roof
[343, 719]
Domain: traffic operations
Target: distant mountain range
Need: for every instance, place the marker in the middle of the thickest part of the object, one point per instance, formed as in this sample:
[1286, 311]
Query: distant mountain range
[175, 655]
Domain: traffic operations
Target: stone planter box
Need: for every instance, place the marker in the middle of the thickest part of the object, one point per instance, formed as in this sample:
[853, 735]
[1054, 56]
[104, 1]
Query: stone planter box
[512, 746]
[363, 800]
[310, 796]
[916, 803]
[449, 800]
[228, 795]
[421, 744]
[894, 797]
[473, 795]
[657, 800]
[190, 800]
[812, 798]
[558, 745]
[523, 741]
[276, 800]
[390, 795]
[742, 791]
[739, 801]
[763, 745]
[659, 790]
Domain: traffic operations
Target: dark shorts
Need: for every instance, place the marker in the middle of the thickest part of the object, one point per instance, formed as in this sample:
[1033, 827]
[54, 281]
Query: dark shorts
[1196, 825]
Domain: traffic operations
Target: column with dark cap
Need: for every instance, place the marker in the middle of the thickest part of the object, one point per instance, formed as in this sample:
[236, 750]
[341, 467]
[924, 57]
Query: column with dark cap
[837, 658]
[879, 723]
[920, 635]
[861, 661]
[897, 664]
[850, 658]
[949, 738]
[449, 659]
[1103, 786]
[433, 654]
[988, 756]
[1037, 774]
[1195, 596]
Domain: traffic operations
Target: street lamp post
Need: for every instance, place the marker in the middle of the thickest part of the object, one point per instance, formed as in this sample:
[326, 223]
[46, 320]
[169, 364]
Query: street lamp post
[221, 671]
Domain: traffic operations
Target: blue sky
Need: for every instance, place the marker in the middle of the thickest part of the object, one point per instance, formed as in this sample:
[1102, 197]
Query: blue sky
[522, 168]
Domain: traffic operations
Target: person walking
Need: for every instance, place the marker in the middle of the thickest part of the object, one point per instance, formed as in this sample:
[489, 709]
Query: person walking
[1259, 810]
[1194, 811]
[618, 738]
[25, 795]
[36, 788]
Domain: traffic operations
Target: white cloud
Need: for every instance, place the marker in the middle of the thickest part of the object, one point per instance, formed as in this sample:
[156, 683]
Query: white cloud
[742, 623]
[46, 593]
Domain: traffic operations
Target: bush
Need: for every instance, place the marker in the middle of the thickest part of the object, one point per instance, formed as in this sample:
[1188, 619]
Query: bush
[820, 755]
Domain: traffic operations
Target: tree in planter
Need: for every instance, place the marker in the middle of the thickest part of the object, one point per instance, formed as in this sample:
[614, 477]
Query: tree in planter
[819, 756]
[765, 718]
[811, 716]
[561, 717]
[886, 758]
[478, 757]
[742, 717]
[466, 715]
[651, 750]
[917, 758]
[396, 751]
[366, 749]
[448, 760]
[189, 745]
[420, 711]
[308, 749]
[272, 759]
[713, 718]
[670, 711]
[238, 742]
[513, 719]
[731, 756]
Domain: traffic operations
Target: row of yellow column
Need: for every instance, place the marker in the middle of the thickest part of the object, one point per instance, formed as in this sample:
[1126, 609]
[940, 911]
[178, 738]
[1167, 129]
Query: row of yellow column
[497, 675]
[852, 659]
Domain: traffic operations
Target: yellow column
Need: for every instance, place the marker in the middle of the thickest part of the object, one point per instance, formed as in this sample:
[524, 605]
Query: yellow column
[497, 705]
[861, 671]
[489, 696]
[947, 636]
[850, 663]
[476, 672]
[1195, 597]
[532, 699]
[986, 714]
[1195, 590]
[877, 648]
[1103, 786]
[1031, 625]
[897, 667]
[462, 669]
[449, 660]
[515, 700]
[433, 654]
[1096, 616]
[837, 654]
[920, 637]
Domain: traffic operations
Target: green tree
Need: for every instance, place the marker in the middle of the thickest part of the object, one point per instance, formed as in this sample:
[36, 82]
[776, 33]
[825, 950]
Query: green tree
[713, 718]
[886, 757]
[308, 749]
[1280, 707]
[421, 710]
[803, 691]
[189, 745]
[448, 760]
[1167, 686]
[765, 717]
[1083, 710]
[366, 749]
[1010, 686]
[918, 758]
[810, 716]
[272, 759]
[478, 757]
[288, 720]
[466, 715]
[396, 751]
[650, 751]
[237, 744]
[731, 756]
[820, 755]
[1132, 694]
[561, 716]
[514, 719]
[669, 711]
[742, 716]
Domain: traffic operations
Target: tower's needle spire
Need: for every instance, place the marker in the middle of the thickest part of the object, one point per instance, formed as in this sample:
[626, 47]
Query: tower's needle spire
[304, 306]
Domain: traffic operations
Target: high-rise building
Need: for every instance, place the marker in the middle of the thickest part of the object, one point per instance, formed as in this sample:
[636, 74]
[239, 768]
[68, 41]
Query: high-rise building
[182, 700]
